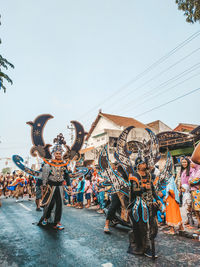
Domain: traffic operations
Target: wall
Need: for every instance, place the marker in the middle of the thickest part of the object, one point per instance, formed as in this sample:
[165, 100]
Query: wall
[99, 129]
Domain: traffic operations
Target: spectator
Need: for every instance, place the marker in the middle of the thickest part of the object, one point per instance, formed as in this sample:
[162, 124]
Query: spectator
[101, 194]
[194, 182]
[187, 204]
[80, 191]
[88, 191]
[173, 215]
[186, 171]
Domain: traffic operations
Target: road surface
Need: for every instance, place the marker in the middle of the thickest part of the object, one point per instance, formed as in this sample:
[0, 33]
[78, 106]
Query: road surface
[81, 243]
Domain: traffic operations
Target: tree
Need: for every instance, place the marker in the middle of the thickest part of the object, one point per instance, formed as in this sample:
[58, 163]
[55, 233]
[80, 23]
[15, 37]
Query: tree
[6, 170]
[191, 9]
[4, 63]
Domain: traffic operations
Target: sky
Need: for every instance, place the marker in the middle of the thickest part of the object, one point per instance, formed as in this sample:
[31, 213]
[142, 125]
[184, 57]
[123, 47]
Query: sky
[73, 58]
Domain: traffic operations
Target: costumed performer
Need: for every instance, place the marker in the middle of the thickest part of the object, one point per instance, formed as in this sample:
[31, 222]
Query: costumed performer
[53, 176]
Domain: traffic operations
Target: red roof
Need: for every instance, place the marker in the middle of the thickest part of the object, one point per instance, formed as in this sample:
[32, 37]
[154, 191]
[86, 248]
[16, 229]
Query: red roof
[124, 121]
[118, 120]
[182, 127]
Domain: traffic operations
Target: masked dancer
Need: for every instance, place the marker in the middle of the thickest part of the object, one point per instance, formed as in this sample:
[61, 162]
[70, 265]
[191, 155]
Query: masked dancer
[143, 211]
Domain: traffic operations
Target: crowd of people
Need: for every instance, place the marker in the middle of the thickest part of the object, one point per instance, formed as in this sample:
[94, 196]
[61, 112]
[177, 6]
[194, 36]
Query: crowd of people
[94, 192]
[17, 184]
[177, 204]
[180, 199]
[90, 190]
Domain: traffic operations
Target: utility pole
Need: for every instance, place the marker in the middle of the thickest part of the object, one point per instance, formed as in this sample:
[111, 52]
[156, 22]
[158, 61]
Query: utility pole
[72, 133]
[27, 161]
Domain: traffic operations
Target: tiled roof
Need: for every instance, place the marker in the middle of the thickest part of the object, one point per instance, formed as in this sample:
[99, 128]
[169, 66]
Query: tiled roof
[186, 125]
[159, 125]
[118, 120]
[124, 121]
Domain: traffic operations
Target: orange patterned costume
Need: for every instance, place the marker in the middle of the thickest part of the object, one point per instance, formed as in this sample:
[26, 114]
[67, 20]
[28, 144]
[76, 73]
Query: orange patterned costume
[173, 215]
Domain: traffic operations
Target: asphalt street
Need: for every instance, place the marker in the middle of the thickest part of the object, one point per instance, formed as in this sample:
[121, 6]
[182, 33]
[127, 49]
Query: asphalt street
[81, 243]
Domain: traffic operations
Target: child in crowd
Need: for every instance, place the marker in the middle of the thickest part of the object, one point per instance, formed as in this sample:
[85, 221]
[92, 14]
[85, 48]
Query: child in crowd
[94, 192]
[67, 195]
[101, 194]
[88, 191]
[74, 195]
[80, 191]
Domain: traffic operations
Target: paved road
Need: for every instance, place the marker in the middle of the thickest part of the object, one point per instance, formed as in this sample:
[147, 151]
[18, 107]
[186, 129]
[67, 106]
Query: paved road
[81, 243]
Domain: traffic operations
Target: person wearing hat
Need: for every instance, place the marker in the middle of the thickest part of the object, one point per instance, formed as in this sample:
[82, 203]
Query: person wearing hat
[143, 209]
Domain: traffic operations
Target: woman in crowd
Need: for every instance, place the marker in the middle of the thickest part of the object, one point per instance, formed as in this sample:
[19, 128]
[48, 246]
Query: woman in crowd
[173, 215]
[186, 171]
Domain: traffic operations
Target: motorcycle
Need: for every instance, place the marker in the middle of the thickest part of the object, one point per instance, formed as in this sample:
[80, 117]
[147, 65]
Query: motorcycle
[120, 216]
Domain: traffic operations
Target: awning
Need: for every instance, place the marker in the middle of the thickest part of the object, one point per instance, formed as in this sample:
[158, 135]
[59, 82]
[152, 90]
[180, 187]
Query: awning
[83, 151]
[182, 151]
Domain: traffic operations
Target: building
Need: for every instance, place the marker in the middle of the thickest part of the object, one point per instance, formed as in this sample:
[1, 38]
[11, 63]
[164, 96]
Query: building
[185, 127]
[180, 141]
[105, 130]
[158, 127]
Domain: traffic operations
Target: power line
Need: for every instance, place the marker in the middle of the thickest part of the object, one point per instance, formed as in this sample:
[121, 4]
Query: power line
[166, 90]
[160, 93]
[166, 103]
[152, 66]
[163, 84]
[159, 74]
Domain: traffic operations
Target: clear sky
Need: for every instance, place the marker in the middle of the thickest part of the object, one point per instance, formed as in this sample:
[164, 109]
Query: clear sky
[70, 56]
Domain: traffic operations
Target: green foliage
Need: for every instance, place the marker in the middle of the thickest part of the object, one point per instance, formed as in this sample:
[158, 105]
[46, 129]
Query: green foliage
[6, 170]
[191, 9]
[4, 63]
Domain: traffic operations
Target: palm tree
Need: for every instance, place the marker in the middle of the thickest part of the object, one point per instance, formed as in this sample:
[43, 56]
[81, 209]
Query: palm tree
[4, 63]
